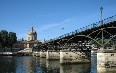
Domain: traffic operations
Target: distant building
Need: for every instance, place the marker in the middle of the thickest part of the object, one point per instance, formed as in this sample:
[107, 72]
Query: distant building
[31, 39]
[32, 35]
[30, 42]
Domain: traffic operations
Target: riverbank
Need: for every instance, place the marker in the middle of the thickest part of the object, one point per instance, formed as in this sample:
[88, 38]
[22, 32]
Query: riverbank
[15, 53]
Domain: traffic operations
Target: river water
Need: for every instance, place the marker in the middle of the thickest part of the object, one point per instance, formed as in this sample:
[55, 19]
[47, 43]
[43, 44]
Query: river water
[29, 64]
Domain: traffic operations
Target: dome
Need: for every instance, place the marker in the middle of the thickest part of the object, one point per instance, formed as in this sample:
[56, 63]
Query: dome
[32, 35]
[32, 31]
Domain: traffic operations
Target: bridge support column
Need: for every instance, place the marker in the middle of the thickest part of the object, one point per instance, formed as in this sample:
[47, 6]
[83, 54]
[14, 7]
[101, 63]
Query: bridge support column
[106, 61]
[67, 56]
[42, 54]
[52, 55]
[36, 53]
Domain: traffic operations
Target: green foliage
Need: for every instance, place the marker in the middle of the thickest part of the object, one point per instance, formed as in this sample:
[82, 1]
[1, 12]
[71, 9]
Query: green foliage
[12, 39]
[7, 39]
[4, 38]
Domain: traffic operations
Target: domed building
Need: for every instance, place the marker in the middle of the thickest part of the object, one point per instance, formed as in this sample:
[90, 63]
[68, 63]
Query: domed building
[32, 35]
[31, 39]
[29, 44]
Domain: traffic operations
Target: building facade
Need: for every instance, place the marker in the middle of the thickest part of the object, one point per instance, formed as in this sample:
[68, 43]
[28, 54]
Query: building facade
[31, 41]
[31, 35]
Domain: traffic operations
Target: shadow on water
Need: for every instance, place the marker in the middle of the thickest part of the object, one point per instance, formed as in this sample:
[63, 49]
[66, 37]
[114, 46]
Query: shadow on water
[7, 65]
[53, 66]
[29, 64]
[75, 68]
[26, 64]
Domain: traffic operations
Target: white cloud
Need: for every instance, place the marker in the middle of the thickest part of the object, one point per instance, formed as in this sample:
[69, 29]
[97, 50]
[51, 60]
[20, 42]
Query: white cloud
[49, 26]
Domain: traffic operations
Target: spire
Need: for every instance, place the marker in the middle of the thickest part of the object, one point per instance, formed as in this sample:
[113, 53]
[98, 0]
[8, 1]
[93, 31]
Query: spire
[32, 30]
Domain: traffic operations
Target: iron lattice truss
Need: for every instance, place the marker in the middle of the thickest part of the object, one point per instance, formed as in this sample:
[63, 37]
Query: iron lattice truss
[81, 39]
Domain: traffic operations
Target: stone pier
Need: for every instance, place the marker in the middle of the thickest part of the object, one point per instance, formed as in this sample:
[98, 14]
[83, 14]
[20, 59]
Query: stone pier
[36, 53]
[42, 54]
[52, 55]
[67, 56]
[106, 61]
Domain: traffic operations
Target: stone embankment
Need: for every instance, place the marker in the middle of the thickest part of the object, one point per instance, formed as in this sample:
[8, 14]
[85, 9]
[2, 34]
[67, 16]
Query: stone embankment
[106, 61]
[65, 56]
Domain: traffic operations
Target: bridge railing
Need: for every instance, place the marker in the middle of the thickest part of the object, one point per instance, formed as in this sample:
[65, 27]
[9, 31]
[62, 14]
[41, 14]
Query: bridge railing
[96, 24]
[110, 19]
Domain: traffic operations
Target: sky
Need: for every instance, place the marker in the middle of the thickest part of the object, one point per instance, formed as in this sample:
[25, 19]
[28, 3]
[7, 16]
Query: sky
[48, 17]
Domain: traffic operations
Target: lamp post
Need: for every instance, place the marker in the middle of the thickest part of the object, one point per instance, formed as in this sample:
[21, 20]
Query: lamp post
[101, 9]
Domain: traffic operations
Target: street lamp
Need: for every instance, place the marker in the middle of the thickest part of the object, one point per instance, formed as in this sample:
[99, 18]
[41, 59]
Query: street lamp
[101, 9]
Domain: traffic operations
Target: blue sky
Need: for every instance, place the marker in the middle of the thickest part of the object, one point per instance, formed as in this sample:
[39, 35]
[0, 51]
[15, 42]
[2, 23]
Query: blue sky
[48, 17]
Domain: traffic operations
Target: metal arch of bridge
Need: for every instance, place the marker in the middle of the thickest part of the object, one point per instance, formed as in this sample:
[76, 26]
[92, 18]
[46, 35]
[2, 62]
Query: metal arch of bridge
[102, 30]
[88, 37]
[44, 47]
[47, 46]
[86, 28]
[62, 43]
[89, 31]
[68, 42]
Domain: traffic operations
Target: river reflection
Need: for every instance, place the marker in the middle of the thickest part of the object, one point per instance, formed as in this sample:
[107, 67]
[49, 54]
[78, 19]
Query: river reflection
[76, 68]
[7, 65]
[29, 64]
[53, 66]
[93, 64]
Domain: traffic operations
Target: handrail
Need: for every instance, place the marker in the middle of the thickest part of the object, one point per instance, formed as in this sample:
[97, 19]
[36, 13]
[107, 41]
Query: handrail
[93, 25]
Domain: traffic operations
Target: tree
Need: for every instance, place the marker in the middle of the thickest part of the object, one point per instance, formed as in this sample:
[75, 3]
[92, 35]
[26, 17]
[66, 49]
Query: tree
[4, 38]
[12, 39]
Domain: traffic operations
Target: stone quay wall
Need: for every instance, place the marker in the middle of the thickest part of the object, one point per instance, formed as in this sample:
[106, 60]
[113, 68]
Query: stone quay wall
[73, 57]
[52, 55]
[106, 59]
[43, 54]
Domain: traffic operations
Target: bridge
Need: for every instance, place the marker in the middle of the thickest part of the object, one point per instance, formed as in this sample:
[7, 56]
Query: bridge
[77, 45]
